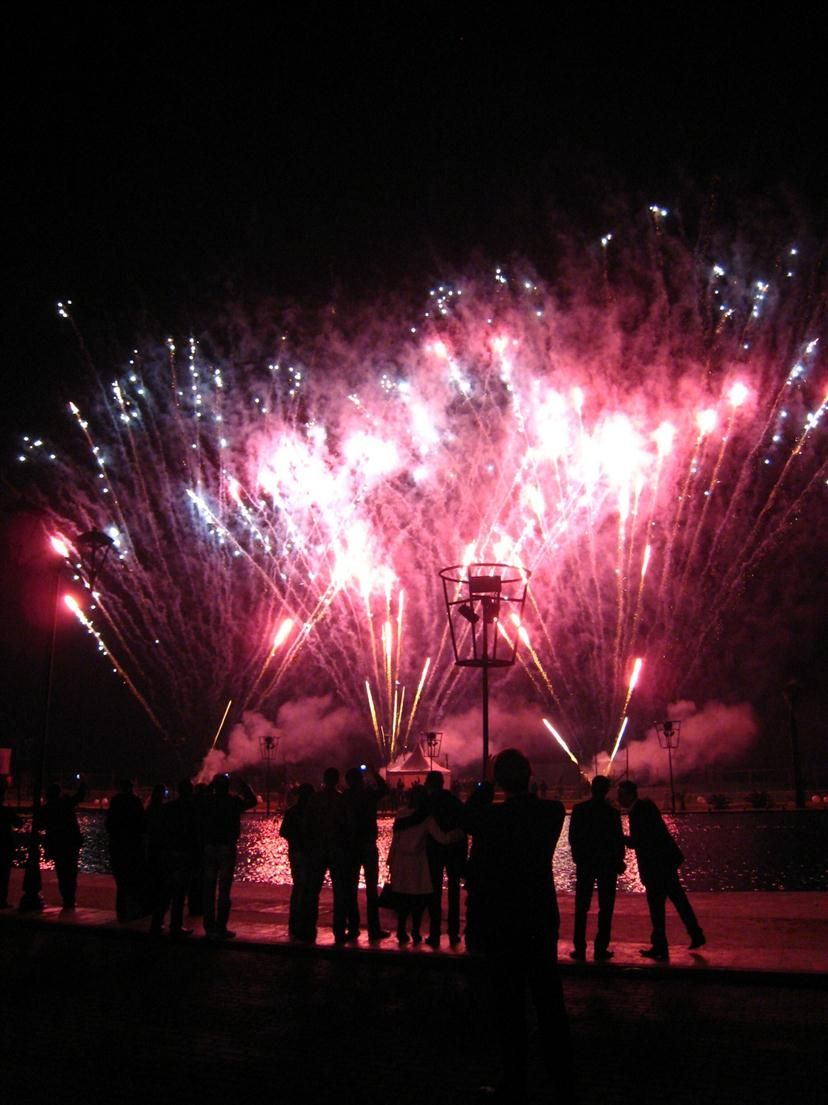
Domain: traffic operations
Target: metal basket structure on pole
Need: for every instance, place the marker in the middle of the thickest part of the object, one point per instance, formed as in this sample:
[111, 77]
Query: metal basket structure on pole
[484, 607]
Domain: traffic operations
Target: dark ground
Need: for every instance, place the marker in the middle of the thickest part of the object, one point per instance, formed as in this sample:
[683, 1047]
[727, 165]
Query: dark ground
[95, 1015]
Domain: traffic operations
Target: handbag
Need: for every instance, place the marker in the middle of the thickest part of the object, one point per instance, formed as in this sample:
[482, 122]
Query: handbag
[387, 898]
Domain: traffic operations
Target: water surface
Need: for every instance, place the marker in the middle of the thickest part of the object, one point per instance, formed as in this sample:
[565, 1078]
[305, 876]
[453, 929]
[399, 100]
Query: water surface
[761, 850]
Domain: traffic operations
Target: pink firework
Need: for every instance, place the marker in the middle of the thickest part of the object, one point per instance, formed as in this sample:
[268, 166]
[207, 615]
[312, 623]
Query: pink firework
[281, 509]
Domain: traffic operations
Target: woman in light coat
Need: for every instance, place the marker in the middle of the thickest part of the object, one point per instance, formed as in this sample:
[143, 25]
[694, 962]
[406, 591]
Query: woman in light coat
[408, 862]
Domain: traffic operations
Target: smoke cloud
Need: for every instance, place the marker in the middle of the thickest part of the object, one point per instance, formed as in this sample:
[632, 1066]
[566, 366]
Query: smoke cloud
[710, 735]
[511, 725]
[313, 728]
[714, 733]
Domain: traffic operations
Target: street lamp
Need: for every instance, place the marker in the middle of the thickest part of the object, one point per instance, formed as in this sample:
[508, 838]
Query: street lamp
[484, 607]
[268, 746]
[93, 548]
[433, 741]
[669, 735]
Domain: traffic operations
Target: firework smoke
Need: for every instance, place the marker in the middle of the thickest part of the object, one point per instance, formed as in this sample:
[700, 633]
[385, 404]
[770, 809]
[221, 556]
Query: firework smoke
[311, 729]
[715, 734]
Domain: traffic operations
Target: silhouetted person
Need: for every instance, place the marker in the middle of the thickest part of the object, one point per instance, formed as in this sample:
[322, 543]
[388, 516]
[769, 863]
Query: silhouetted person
[519, 920]
[125, 828]
[63, 838]
[330, 832]
[178, 857]
[9, 821]
[408, 861]
[294, 829]
[153, 848]
[366, 789]
[195, 891]
[477, 803]
[597, 843]
[447, 811]
[659, 858]
[221, 828]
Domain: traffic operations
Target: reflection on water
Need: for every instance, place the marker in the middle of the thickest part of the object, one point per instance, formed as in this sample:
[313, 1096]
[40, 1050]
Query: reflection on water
[728, 851]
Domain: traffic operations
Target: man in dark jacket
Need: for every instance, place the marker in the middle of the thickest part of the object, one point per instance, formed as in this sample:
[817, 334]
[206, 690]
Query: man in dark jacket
[125, 825]
[63, 837]
[659, 858]
[221, 827]
[447, 811]
[179, 846]
[518, 922]
[294, 829]
[365, 790]
[330, 836]
[597, 843]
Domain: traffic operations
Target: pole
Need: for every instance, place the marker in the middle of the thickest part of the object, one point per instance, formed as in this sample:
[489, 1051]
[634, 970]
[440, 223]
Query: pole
[672, 788]
[32, 902]
[792, 691]
[485, 719]
[485, 695]
[799, 788]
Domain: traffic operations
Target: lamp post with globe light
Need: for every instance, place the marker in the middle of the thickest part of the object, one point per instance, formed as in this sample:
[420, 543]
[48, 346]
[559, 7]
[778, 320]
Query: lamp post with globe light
[669, 735]
[433, 742]
[92, 549]
[268, 746]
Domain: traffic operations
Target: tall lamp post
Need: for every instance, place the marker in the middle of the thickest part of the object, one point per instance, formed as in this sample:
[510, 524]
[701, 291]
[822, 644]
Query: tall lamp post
[268, 746]
[793, 692]
[669, 735]
[92, 548]
[484, 607]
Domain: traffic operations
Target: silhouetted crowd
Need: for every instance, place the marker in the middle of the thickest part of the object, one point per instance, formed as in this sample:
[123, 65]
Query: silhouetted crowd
[171, 855]
[177, 852]
[334, 832]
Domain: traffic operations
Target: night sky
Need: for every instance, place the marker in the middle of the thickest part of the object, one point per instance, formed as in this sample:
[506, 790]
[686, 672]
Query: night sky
[159, 166]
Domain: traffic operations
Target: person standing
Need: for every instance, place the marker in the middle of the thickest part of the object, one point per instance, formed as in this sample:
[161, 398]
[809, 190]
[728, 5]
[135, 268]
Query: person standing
[474, 814]
[221, 829]
[365, 790]
[408, 862]
[518, 921]
[63, 838]
[659, 858]
[9, 821]
[154, 850]
[125, 824]
[178, 856]
[447, 810]
[330, 836]
[294, 829]
[596, 840]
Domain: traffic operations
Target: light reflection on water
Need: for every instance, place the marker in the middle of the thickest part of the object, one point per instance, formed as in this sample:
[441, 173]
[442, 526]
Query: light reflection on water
[727, 851]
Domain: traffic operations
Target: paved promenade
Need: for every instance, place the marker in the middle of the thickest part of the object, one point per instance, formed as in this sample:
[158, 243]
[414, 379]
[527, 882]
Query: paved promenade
[763, 932]
[93, 1011]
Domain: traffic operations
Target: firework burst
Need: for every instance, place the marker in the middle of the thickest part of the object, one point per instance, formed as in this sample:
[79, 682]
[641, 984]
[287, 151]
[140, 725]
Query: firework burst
[281, 510]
